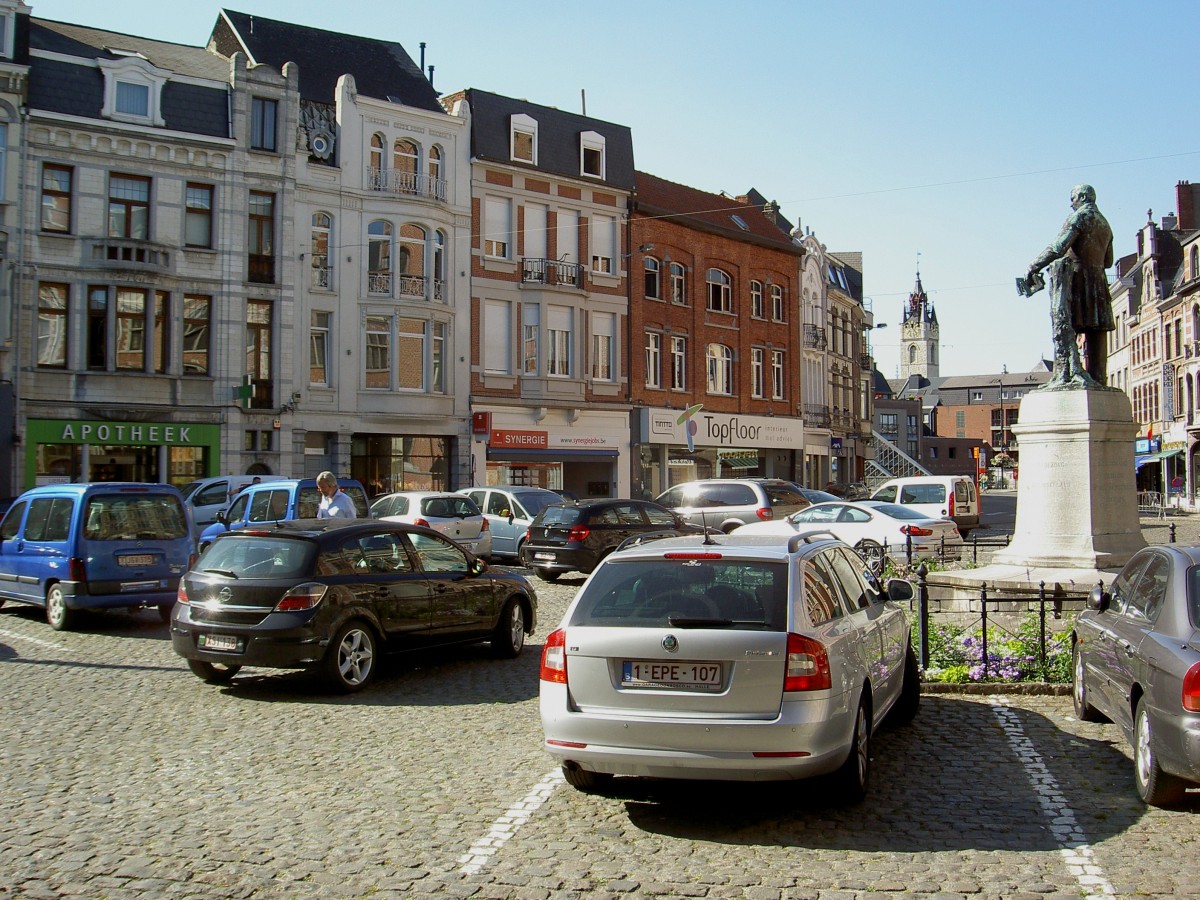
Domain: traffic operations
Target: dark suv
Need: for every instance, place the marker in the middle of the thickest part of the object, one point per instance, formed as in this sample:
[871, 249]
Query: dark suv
[574, 538]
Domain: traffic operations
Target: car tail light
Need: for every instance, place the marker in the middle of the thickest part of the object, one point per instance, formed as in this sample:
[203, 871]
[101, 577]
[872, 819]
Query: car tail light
[765, 513]
[181, 595]
[578, 533]
[77, 569]
[1191, 689]
[916, 530]
[554, 657]
[301, 597]
[424, 523]
[684, 555]
[807, 665]
[484, 526]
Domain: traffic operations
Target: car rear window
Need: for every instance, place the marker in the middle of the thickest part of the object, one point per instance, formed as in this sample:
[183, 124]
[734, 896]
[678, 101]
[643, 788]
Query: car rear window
[127, 517]
[654, 593]
[561, 515]
[923, 493]
[534, 501]
[445, 507]
[778, 495]
[254, 556]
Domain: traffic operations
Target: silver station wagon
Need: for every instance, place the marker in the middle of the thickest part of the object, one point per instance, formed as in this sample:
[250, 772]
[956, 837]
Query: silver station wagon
[735, 658]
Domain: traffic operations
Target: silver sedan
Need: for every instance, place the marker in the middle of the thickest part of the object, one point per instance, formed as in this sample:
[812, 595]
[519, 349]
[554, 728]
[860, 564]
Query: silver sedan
[1136, 651]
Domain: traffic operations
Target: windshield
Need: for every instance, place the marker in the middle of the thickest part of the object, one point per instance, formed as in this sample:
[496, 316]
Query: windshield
[253, 556]
[896, 511]
[656, 593]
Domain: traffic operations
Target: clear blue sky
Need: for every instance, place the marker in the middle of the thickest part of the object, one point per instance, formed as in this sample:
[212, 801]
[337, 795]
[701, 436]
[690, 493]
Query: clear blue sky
[945, 133]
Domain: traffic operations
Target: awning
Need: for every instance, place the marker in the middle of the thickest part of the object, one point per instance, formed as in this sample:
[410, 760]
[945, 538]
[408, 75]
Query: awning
[740, 460]
[1139, 461]
[554, 455]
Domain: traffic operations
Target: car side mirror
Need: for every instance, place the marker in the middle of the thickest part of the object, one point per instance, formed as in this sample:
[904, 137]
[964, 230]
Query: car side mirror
[1099, 599]
[899, 590]
[221, 516]
[510, 518]
[478, 566]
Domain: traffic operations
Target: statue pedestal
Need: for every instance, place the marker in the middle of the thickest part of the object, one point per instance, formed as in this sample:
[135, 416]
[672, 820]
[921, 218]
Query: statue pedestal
[1076, 495]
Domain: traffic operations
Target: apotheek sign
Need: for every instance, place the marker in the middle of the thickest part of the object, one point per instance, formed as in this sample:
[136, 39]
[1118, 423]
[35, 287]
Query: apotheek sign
[84, 431]
[724, 430]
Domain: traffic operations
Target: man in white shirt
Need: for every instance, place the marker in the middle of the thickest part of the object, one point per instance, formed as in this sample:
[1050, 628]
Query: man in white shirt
[335, 504]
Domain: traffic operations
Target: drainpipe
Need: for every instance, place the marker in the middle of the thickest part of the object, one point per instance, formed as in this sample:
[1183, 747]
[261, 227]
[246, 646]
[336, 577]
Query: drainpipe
[16, 293]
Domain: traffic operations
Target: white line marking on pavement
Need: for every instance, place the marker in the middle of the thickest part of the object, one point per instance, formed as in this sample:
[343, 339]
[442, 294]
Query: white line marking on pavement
[1063, 825]
[48, 644]
[476, 859]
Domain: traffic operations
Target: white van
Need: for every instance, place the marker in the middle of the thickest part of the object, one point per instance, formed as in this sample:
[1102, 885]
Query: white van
[208, 496]
[938, 496]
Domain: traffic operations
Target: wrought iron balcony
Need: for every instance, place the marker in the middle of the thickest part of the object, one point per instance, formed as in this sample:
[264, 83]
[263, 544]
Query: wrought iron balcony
[551, 272]
[816, 415]
[400, 181]
[814, 336]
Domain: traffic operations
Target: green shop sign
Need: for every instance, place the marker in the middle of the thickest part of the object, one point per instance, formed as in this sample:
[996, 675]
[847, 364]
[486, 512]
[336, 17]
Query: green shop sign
[85, 431]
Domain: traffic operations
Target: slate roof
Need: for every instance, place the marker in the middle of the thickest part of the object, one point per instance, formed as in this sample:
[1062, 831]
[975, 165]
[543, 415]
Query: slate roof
[557, 138]
[710, 212]
[93, 43]
[381, 69]
[63, 87]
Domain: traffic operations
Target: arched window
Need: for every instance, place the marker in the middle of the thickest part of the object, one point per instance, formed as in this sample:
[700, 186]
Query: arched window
[405, 166]
[678, 284]
[720, 369]
[720, 291]
[436, 187]
[653, 286]
[410, 260]
[912, 353]
[379, 257]
[376, 177]
[322, 228]
[439, 266]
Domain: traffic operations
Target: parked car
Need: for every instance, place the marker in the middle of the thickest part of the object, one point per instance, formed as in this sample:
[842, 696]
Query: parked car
[738, 657]
[726, 503]
[875, 530]
[105, 545]
[332, 594]
[812, 495]
[937, 496]
[509, 510]
[208, 496]
[574, 538]
[454, 515]
[278, 501]
[1136, 662]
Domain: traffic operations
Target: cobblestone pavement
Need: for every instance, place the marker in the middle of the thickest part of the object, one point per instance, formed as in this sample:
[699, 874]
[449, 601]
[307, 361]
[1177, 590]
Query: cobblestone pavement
[124, 776]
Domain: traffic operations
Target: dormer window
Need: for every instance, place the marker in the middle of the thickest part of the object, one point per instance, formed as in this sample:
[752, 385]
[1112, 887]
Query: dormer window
[132, 89]
[591, 154]
[523, 143]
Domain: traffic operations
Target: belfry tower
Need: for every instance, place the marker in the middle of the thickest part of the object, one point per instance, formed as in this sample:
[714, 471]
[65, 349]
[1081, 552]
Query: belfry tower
[919, 335]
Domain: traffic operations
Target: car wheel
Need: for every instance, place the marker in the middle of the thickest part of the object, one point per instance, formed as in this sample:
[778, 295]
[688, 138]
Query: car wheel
[1079, 692]
[350, 662]
[1, 601]
[521, 554]
[583, 780]
[213, 673]
[852, 778]
[547, 575]
[509, 636]
[164, 611]
[872, 553]
[909, 701]
[58, 614]
[1154, 786]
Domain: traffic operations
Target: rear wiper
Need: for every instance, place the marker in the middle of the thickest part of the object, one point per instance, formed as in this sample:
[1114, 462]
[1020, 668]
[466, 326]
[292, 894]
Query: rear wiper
[697, 622]
[225, 572]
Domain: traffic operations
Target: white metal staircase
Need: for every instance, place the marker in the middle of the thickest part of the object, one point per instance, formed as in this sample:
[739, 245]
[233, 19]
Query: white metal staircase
[890, 462]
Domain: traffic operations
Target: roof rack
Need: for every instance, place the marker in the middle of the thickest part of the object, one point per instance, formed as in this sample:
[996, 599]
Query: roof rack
[807, 537]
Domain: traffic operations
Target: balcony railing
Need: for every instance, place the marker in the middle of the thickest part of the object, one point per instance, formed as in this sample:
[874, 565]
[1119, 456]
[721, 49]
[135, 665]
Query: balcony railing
[262, 393]
[866, 362]
[412, 285]
[551, 272]
[814, 336]
[439, 290]
[379, 283]
[322, 277]
[816, 415]
[120, 253]
[399, 181]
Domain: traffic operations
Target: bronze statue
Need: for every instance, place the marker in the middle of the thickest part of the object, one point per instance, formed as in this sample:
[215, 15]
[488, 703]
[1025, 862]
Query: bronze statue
[1080, 303]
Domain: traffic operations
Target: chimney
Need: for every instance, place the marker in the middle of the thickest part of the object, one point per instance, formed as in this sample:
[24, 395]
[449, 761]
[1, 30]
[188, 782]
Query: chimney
[1169, 222]
[1187, 199]
[771, 211]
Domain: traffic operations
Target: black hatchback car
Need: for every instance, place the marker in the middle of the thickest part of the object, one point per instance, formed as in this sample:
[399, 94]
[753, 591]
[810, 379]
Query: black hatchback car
[332, 594]
[574, 538]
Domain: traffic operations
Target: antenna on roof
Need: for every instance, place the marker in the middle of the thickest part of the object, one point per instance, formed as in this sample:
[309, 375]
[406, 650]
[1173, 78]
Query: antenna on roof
[431, 76]
[583, 100]
[252, 24]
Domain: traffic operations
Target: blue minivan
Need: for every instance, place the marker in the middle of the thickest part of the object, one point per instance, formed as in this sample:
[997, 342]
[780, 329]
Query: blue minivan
[95, 546]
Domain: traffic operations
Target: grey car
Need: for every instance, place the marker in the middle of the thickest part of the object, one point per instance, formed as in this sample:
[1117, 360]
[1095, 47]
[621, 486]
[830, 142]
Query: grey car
[509, 510]
[727, 503]
[727, 657]
[1136, 662]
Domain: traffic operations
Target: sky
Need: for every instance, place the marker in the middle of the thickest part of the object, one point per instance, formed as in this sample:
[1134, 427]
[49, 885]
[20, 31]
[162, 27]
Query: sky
[943, 135]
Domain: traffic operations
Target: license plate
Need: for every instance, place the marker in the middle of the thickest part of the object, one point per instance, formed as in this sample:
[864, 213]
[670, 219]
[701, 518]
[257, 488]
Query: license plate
[136, 559]
[218, 642]
[671, 675]
[548, 556]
